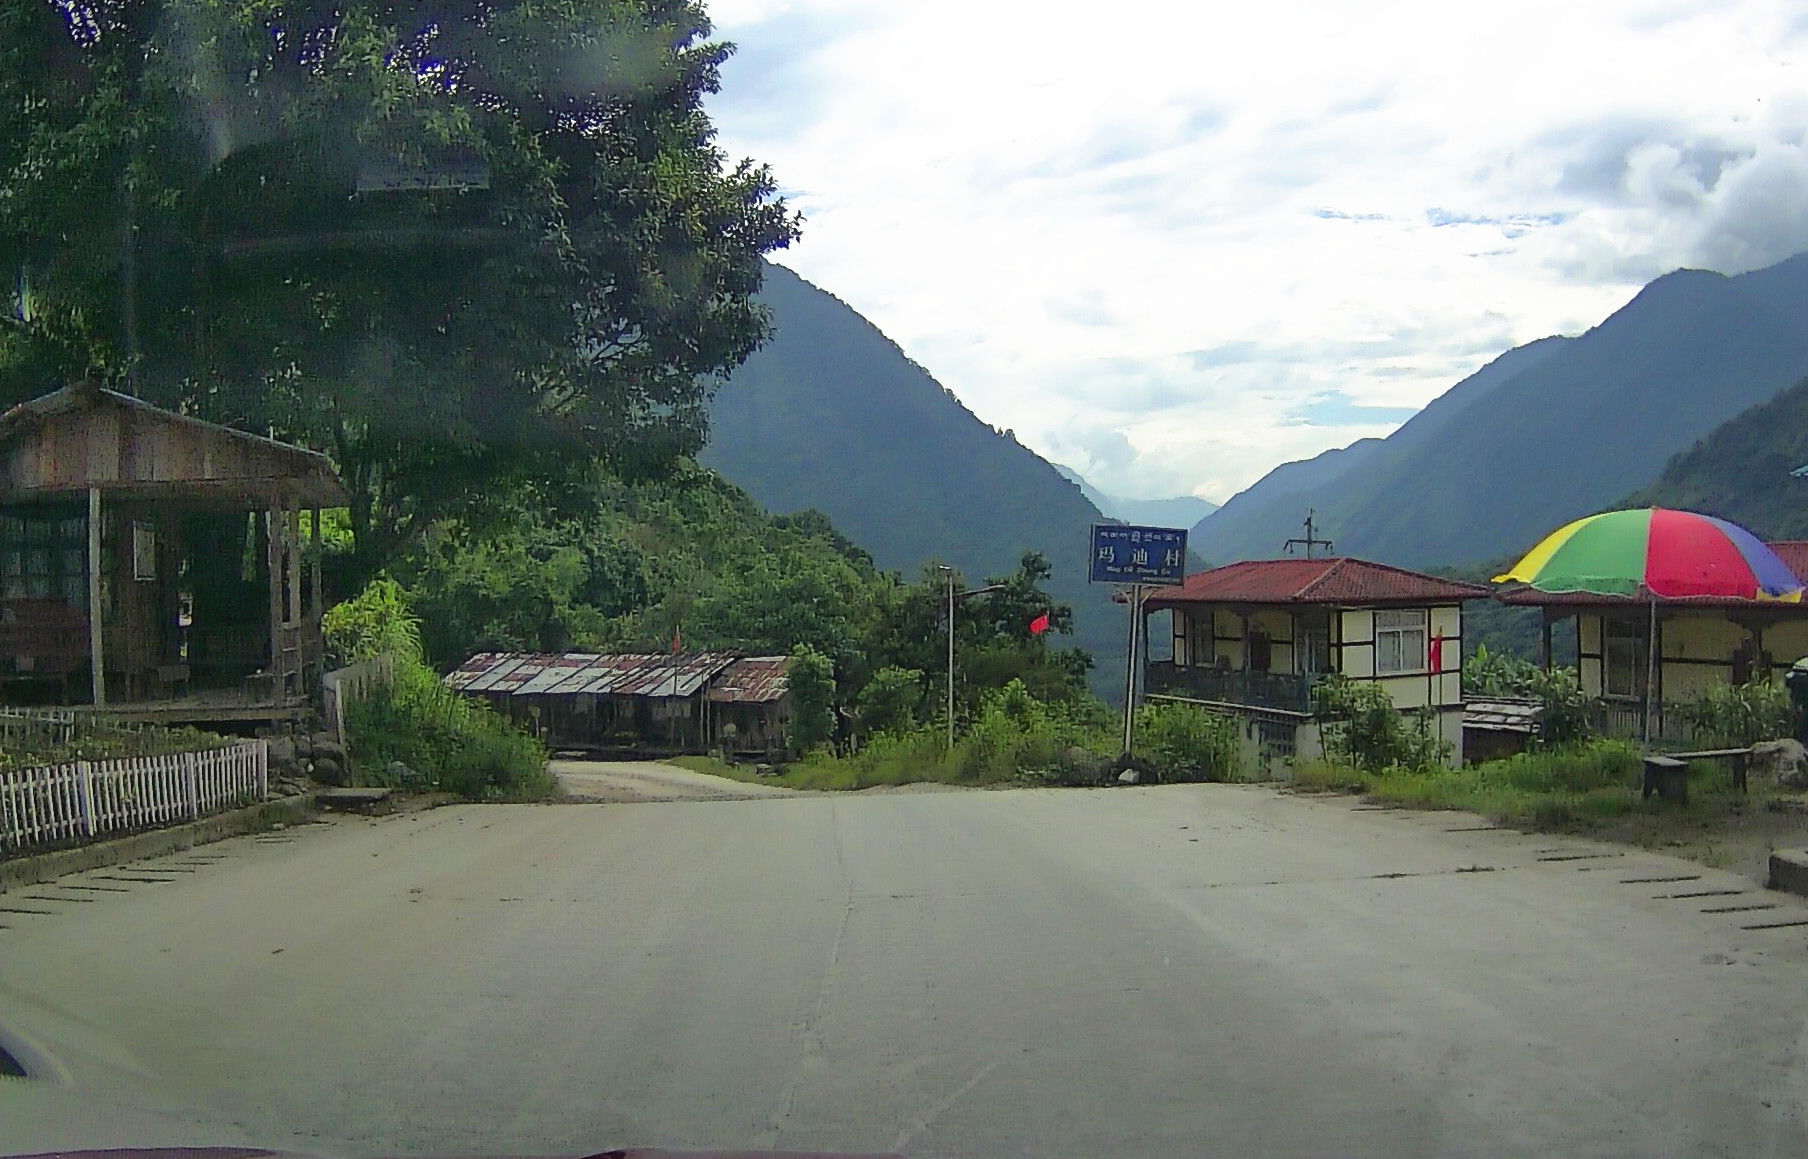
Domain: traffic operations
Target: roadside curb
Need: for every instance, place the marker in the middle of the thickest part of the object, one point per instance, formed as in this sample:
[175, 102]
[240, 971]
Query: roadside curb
[43, 867]
[1789, 870]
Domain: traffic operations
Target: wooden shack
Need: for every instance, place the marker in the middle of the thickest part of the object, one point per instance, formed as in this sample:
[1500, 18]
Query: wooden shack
[151, 564]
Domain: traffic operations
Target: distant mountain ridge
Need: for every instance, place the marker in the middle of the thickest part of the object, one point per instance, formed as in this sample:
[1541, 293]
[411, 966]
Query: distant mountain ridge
[1179, 511]
[832, 414]
[1546, 432]
[1741, 470]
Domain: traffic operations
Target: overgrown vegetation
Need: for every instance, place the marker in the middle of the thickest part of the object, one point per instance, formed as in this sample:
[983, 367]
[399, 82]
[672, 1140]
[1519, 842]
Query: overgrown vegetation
[1188, 744]
[98, 741]
[1547, 788]
[1018, 738]
[1563, 716]
[1737, 715]
[446, 741]
[1360, 727]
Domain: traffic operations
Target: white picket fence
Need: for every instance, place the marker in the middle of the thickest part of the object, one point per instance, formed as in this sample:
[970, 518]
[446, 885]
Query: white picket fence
[87, 799]
[20, 726]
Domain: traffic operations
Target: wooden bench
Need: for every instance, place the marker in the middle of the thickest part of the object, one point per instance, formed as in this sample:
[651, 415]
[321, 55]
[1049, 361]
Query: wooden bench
[1668, 777]
[1739, 759]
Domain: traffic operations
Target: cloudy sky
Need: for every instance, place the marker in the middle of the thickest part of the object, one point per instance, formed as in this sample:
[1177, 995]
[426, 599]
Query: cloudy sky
[1175, 244]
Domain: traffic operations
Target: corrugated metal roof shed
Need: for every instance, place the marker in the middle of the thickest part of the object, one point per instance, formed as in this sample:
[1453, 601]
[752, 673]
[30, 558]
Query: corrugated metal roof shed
[1504, 714]
[651, 675]
[752, 680]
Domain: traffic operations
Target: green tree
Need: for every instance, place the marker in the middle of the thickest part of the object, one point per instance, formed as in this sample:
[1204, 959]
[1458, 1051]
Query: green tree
[890, 701]
[455, 245]
[812, 682]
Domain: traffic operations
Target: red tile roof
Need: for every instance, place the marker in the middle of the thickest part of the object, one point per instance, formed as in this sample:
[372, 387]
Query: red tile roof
[1331, 582]
[1793, 552]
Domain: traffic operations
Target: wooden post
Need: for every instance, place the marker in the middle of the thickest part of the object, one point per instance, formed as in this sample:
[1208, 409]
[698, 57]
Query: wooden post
[273, 521]
[1544, 639]
[97, 658]
[316, 595]
[292, 546]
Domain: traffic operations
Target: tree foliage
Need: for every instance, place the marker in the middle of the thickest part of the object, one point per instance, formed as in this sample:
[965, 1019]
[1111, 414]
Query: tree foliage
[457, 245]
[1361, 727]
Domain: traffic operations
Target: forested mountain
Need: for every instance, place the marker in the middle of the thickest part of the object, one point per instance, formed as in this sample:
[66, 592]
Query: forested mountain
[1178, 511]
[1740, 471]
[1546, 432]
[832, 415]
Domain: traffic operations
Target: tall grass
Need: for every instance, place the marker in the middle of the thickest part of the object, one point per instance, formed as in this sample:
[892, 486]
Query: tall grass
[1541, 789]
[1019, 739]
[448, 741]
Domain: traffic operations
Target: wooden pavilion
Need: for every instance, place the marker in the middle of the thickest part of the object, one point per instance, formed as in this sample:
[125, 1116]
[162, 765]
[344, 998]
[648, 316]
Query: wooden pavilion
[151, 564]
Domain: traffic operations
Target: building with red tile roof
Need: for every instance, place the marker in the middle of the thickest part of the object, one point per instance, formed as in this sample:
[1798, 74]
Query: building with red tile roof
[1251, 639]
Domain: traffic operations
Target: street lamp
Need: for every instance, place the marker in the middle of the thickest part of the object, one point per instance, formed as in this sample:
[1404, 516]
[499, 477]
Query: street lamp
[952, 596]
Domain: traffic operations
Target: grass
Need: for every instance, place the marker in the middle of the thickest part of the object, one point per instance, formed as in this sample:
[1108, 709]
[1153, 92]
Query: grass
[893, 764]
[1582, 787]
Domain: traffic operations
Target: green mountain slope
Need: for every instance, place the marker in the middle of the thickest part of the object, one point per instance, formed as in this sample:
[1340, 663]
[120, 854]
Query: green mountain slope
[1546, 432]
[832, 415]
[1740, 471]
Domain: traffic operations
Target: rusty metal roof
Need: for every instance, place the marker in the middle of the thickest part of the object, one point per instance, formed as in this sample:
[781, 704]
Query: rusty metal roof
[1502, 714]
[752, 680]
[655, 675]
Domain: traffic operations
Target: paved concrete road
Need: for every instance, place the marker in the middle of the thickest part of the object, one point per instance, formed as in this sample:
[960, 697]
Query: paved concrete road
[1165, 971]
[624, 781]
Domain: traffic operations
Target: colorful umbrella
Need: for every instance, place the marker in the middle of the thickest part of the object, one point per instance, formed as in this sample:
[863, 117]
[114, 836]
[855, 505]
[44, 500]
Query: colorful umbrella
[1656, 554]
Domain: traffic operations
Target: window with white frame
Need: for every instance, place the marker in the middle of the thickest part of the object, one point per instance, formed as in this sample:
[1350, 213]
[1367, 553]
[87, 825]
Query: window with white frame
[1400, 642]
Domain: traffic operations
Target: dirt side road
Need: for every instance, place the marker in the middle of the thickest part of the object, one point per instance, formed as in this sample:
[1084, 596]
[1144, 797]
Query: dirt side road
[624, 781]
[1183, 970]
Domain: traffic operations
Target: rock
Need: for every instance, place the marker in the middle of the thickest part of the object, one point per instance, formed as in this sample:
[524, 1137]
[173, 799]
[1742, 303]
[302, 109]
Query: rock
[401, 774]
[329, 750]
[304, 745]
[1129, 777]
[1784, 761]
[282, 751]
[328, 771]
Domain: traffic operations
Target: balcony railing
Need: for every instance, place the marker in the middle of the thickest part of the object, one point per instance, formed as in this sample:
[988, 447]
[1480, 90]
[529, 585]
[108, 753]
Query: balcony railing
[1283, 691]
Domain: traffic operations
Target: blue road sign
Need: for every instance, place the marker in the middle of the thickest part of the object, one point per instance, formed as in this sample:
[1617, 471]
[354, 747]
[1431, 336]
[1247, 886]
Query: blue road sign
[1138, 555]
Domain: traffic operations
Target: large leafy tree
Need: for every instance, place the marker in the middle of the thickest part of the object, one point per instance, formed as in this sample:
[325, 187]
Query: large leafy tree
[458, 245]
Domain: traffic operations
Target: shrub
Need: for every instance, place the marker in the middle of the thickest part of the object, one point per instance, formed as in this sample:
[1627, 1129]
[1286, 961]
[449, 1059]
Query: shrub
[811, 677]
[1185, 743]
[454, 743]
[1360, 726]
[377, 622]
[1736, 715]
[889, 701]
[1563, 717]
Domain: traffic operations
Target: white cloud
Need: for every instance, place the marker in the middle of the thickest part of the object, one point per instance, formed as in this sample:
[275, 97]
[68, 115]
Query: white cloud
[1055, 209]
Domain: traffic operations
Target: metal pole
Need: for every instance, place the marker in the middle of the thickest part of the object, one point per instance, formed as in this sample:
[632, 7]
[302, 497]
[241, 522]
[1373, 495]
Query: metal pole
[1136, 598]
[1650, 672]
[97, 658]
[950, 660]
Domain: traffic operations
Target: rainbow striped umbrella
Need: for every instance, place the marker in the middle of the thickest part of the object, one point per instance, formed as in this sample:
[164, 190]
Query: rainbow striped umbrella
[1656, 554]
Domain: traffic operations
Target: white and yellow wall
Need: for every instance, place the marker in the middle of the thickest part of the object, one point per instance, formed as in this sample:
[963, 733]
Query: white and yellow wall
[1218, 636]
[1695, 647]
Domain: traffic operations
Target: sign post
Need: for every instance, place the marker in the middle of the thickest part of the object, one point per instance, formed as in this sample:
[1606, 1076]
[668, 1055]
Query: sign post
[1136, 556]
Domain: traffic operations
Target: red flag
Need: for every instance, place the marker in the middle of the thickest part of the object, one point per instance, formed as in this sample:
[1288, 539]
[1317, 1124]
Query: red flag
[1437, 654]
[1039, 625]
[676, 645]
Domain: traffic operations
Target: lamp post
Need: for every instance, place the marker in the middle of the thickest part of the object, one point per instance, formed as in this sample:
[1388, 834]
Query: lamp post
[953, 595]
[949, 572]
